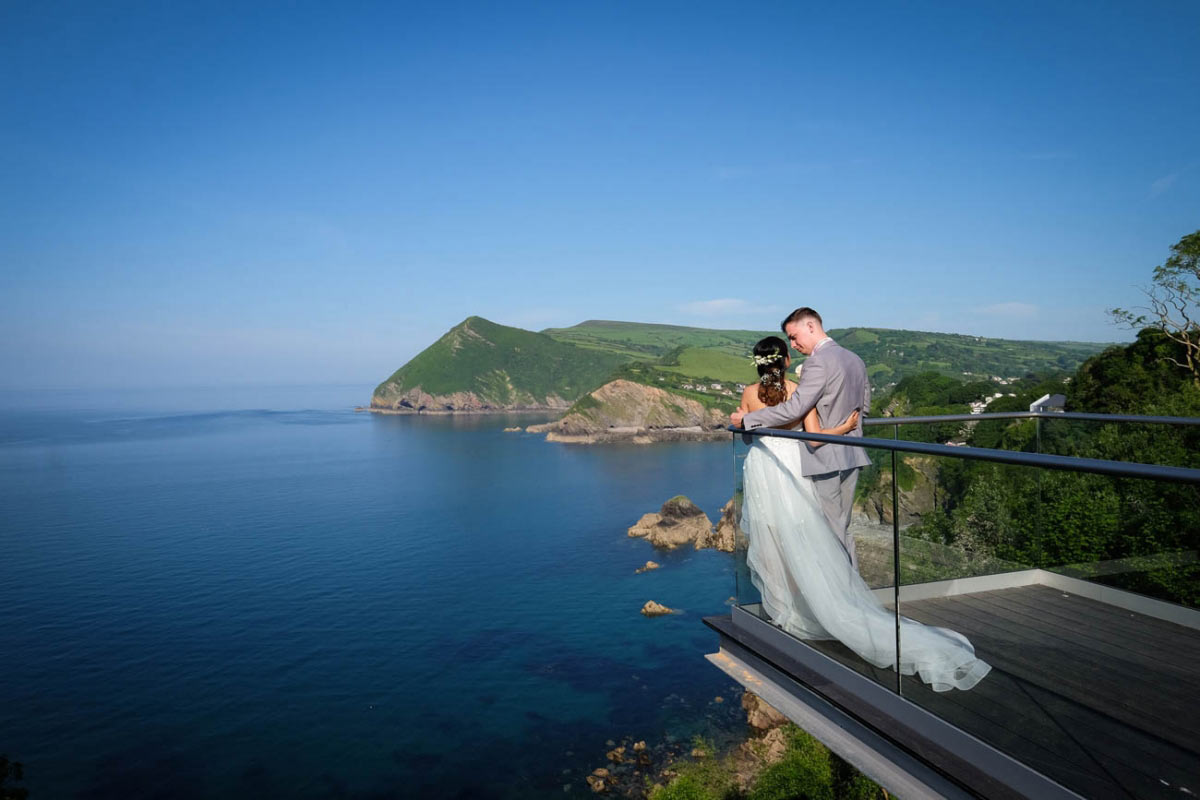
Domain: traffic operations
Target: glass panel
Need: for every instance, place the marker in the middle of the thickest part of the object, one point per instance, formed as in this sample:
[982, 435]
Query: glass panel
[1145, 443]
[745, 593]
[1086, 683]
[790, 552]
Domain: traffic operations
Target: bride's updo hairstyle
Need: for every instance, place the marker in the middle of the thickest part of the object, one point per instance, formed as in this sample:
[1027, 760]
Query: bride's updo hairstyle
[770, 359]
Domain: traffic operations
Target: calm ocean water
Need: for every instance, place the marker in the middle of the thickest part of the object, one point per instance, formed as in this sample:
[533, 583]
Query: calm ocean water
[254, 593]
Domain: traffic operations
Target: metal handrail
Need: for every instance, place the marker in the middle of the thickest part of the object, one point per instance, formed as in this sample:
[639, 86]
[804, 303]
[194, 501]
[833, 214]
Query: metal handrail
[872, 421]
[1120, 469]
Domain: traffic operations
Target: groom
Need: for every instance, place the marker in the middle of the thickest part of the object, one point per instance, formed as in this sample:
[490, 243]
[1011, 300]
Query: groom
[835, 381]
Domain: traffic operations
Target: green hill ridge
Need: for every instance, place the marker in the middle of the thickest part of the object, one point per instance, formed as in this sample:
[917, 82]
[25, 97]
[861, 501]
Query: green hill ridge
[479, 365]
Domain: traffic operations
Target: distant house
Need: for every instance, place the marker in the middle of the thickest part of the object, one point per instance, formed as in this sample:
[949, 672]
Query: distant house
[1049, 402]
[716, 386]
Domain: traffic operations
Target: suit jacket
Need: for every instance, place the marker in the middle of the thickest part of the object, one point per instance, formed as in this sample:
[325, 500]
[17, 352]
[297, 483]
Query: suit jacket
[834, 380]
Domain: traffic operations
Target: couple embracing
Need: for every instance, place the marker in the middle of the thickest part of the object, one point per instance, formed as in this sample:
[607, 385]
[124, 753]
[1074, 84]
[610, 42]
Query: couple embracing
[798, 499]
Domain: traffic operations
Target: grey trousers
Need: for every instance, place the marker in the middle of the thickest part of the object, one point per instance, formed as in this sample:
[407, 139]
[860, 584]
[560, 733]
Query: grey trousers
[836, 492]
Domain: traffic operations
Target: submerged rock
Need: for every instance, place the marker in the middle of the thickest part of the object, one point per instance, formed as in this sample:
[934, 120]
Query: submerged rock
[649, 566]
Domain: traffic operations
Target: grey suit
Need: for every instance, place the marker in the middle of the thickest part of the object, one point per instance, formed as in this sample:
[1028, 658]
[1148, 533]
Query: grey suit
[833, 380]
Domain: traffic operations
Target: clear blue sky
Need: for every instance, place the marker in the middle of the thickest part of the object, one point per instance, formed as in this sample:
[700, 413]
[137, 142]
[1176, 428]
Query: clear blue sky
[208, 193]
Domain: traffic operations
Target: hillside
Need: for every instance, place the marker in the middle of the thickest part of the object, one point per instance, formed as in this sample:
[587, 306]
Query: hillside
[890, 355]
[479, 365]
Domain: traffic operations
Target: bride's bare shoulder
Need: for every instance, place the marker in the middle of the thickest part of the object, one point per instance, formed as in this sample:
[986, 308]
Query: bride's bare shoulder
[750, 398]
[790, 386]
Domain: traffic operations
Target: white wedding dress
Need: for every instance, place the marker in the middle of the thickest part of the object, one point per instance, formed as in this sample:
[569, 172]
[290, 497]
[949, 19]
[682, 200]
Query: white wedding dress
[810, 589]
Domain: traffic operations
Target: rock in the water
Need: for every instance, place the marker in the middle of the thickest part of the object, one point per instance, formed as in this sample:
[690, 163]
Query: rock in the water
[728, 535]
[649, 566]
[677, 523]
[653, 609]
[517, 429]
[759, 714]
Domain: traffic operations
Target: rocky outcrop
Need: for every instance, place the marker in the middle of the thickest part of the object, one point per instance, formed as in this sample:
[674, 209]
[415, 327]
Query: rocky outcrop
[624, 411]
[650, 565]
[727, 536]
[677, 523]
[418, 401]
[653, 609]
[759, 714]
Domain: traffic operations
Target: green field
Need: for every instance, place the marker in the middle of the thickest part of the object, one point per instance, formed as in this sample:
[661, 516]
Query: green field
[700, 362]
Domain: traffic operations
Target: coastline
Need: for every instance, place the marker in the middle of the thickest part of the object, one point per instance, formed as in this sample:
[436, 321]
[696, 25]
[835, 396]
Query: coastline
[448, 412]
[635, 436]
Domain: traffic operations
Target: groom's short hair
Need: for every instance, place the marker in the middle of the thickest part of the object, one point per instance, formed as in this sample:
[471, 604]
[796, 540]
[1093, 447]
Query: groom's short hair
[800, 315]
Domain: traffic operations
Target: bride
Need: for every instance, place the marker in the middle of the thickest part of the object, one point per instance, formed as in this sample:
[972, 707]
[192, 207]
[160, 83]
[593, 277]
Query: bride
[808, 585]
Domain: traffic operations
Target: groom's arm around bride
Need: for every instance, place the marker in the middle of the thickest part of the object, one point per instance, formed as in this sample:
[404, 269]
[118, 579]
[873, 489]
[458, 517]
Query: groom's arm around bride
[834, 381]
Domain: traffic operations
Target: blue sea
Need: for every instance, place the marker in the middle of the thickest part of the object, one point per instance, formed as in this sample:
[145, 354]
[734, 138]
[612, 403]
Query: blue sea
[247, 593]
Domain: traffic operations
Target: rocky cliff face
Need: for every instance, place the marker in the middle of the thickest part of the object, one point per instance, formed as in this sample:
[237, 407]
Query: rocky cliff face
[632, 412]
[915, 501]
[418, 401]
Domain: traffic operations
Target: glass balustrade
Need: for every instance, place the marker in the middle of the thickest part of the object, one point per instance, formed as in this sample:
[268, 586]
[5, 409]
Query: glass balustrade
[1076, 579]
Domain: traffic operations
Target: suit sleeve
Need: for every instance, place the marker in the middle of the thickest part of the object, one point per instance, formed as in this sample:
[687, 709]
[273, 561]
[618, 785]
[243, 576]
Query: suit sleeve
[812, 384]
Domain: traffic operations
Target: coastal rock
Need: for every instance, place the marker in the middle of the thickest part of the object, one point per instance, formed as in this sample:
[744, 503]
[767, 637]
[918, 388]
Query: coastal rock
[649, 566]
[624, 411]
[418, 401]
[759, 714]
[653, 609]
[517, 429]
[727, 534]
[677, 523]
[774, 746]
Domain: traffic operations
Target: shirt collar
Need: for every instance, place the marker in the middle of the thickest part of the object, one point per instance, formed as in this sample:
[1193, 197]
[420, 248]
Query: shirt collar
[821, 343]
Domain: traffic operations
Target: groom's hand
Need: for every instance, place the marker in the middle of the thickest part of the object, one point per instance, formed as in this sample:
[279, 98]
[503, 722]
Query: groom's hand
[736, 417]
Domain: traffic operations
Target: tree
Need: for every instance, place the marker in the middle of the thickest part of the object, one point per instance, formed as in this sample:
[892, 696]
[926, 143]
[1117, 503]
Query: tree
[1174, 304]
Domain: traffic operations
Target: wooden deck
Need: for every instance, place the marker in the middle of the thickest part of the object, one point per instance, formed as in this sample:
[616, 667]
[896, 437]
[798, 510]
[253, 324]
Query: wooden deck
[1103, 700]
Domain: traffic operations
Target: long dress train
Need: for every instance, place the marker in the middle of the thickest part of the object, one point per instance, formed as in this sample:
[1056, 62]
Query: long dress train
[810, 589]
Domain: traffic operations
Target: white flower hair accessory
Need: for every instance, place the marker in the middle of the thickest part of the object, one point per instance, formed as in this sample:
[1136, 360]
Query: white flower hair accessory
[762, 361]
